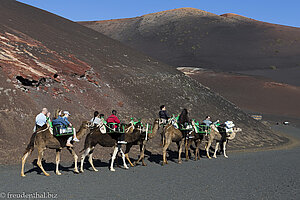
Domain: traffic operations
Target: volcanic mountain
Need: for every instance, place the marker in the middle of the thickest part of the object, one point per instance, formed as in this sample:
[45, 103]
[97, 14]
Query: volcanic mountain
[49, 61]
[192, 37]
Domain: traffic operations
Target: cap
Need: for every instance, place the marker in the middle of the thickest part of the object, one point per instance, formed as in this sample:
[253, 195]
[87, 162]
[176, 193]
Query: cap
[67, 113]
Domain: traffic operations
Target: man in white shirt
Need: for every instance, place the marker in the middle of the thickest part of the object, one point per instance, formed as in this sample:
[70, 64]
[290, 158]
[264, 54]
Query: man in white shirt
[41, 119]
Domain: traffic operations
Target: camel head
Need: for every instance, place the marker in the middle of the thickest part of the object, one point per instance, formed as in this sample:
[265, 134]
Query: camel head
[232, 135]
[84, 128]
[156, 126]
[86, 124]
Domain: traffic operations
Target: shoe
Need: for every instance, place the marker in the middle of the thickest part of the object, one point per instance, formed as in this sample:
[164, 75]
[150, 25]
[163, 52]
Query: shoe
[122, 142]
[76, 140]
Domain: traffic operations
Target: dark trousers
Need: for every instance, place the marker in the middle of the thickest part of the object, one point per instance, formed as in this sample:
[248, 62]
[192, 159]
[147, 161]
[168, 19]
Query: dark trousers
[37, 127]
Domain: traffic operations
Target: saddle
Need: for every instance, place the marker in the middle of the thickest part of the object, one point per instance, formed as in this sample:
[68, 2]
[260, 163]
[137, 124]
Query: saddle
[62, 131]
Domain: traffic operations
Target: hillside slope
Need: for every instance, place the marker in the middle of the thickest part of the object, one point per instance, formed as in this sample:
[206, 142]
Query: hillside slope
[192, 37]
[48, 61]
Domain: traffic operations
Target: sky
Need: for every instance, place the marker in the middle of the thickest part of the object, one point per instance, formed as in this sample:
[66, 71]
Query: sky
[284, 12]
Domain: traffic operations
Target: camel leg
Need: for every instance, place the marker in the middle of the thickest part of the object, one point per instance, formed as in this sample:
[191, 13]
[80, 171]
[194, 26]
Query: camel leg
[207, 148]
[57, 161]
[39, 162]
[216, 149]
[196, 151]
[127, 158]
[142, 154]
[123, 157]
[71, 150]
[199, 143]
[165, 147]
[128, 147]
[24, 161]
[113, 159]
[197, 154]
[91, 160]
[86, 152]
[187, 148]
[180, 150]
[224, 149]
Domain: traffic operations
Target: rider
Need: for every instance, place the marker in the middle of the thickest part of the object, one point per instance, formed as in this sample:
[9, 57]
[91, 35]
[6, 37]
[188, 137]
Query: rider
[207, 121]
[65, 117]
[163, 115]
[114, 119]
[96, 119]
[184, 122]
[183, 118]
[41, 119]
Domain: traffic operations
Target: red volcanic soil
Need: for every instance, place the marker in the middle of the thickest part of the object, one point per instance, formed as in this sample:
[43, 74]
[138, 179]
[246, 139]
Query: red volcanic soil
[192, 37]
[49, 61]
[251, 93]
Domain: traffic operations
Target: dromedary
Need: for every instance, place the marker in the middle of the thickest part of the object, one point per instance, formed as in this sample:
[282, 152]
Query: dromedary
[219, 138]
[133, 135]
[43, 138]
[197, 138]
[169, 135]
[141, 138]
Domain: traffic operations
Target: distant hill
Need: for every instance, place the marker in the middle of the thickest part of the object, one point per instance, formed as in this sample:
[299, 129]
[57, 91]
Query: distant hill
[192, 37]
[49, 61]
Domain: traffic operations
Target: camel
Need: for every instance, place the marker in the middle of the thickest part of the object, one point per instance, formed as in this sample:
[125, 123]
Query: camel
[43, 138]
[141, 138]
[169, 135]
[133, 135]
[219, 138]
[197, 139]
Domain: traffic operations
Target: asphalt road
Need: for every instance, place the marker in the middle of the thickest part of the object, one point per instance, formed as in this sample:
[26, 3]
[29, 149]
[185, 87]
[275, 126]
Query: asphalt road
[258, 175]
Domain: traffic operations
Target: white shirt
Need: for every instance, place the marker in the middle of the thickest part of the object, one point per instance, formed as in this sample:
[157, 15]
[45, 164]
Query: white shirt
[41, 119]
[96, 121]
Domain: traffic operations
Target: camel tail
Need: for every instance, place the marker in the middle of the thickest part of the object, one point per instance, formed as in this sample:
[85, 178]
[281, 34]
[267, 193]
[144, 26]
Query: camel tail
[30, 146]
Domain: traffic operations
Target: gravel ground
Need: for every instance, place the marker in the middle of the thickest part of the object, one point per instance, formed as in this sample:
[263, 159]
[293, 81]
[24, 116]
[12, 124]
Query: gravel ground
[255, 175]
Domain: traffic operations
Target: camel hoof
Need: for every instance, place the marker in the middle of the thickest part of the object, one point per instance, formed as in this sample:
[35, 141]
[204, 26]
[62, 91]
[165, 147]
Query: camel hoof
[58, 173]
[226, 156]
[126, 167]
[23, 175]
[76, 171]
[209, 157]
[215, 156]
[46, 174]
[112, 170]
[180, 162]
[81, 171]
[144, 164]
[96, 170]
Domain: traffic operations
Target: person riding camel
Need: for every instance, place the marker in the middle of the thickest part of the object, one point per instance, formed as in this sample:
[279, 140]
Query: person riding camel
[184, 121]
[114, 119]
[96, 119]
[65, 117]
[163, 115]
[41, 119]
[59, 121]
[207, 122]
